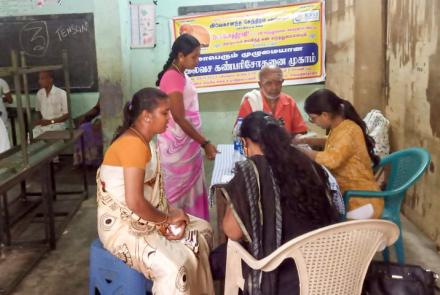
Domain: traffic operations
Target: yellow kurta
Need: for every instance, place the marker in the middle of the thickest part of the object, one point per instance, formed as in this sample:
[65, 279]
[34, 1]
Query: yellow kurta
[346, 156]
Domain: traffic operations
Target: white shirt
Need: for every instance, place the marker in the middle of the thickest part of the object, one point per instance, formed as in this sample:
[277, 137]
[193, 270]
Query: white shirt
[4, 138]
[52, 106]
[4, 88]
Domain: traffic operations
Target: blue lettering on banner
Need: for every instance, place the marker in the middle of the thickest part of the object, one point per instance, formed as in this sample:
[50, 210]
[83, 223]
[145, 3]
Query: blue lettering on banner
[298, 55]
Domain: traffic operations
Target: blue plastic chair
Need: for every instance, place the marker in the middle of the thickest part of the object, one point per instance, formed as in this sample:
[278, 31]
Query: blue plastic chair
[406, 167]
[109, 275]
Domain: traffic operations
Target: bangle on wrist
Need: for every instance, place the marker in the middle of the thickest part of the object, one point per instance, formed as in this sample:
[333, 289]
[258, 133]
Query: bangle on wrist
[163, 221]
[205, 143]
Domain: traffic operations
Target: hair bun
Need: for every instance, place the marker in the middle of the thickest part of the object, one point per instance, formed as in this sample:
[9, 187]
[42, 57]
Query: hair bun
[272, 121]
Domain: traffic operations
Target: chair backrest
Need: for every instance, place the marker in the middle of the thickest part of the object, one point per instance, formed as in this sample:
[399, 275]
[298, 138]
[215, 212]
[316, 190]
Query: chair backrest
[330, 260]
[406, 167]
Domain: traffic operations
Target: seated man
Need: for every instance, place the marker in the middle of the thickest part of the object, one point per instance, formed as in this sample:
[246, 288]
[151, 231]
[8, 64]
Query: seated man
[5, 97]
[51, 102]
[271, 100]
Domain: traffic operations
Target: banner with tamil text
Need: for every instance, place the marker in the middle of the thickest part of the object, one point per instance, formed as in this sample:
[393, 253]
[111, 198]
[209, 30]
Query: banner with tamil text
[235, 45]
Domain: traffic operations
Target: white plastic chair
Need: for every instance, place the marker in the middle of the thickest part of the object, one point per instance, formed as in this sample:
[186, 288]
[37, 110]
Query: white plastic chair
[332, 260]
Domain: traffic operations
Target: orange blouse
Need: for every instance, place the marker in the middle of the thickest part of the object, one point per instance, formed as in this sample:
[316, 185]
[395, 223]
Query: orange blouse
[128, 151]
[346, 156]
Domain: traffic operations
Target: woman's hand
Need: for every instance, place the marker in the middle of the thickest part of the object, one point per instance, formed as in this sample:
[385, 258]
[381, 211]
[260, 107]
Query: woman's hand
[210, 151]
[177, 216]
[298, 139]
[178, 219]
[175, 232]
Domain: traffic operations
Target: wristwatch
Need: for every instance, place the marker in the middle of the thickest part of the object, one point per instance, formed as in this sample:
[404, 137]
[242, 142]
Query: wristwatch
[52, 121]
[205, 143]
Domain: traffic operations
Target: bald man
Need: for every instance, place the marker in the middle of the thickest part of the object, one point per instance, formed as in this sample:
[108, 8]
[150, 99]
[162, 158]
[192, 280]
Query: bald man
[270, 99]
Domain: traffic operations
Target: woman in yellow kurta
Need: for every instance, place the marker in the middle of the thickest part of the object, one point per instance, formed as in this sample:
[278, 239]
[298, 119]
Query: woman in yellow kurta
[135, 221]
[348, 150]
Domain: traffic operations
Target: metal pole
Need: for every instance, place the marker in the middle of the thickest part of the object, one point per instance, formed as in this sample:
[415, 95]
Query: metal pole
[23, 142]
[67, 84]
[26, 93]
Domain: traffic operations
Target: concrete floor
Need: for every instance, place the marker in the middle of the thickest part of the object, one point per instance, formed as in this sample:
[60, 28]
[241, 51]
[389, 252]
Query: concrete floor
[65, 270]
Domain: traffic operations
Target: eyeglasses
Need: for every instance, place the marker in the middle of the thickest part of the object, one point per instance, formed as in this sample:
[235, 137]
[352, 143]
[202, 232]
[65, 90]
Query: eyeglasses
[312, 118]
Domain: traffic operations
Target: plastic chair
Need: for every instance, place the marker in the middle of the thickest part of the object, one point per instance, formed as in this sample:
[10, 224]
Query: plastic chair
[330, 260]
[109, 275]
[406, 167]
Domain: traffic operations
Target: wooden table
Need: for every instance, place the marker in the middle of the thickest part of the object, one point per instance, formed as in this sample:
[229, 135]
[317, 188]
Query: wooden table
[12, 173]
[40, 153]
[223, 169]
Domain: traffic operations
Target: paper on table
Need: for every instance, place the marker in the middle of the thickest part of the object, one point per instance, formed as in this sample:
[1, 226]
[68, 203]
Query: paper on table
[302, 146]
[226, 178]
[363, 212]
[308, 134]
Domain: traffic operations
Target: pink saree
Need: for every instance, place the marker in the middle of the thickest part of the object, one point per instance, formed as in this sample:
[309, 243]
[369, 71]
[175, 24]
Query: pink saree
[181, 156]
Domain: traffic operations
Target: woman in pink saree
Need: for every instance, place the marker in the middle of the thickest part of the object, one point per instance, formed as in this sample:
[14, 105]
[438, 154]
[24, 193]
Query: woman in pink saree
[180, 145]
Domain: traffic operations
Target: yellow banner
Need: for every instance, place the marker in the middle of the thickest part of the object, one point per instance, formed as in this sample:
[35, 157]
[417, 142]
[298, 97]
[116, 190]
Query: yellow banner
[235, 45]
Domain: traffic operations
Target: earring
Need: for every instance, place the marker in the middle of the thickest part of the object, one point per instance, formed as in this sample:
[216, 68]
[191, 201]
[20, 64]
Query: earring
[147, 120]
[245, 150]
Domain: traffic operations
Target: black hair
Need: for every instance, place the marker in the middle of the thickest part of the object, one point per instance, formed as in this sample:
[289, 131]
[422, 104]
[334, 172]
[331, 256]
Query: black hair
[301, 189]
[145, 99]
[49, 73]
[185, 44]
[325, 100]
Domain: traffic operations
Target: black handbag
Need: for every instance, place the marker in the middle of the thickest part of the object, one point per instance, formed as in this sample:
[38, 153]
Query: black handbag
[385, 278]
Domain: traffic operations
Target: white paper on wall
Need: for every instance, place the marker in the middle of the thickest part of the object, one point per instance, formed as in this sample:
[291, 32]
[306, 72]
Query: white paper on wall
[143, 23]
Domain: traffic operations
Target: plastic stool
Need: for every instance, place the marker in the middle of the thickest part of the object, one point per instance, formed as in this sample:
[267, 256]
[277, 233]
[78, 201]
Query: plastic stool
[109, 275]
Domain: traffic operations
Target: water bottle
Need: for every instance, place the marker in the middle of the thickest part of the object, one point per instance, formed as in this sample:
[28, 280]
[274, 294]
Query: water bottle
[238, 148]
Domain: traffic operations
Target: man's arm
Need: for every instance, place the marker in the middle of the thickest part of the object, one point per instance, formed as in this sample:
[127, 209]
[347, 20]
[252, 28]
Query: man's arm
[7, 97]
[297, 121]
[245, 109]
[45, 122]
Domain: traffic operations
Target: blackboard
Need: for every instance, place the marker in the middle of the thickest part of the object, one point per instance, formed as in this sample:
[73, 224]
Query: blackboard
[43, 38]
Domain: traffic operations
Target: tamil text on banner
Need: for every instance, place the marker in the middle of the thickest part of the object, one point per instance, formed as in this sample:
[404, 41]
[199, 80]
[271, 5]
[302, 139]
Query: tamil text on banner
[235, 45]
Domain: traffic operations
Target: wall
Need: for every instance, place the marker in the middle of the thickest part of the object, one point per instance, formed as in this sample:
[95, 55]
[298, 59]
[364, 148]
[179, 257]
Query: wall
[386, 55]
[356, 52]
[113, 53]
[413, 57]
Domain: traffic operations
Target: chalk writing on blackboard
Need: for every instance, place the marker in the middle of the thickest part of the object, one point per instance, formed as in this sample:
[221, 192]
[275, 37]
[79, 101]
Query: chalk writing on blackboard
[65, 31]
[34, 38]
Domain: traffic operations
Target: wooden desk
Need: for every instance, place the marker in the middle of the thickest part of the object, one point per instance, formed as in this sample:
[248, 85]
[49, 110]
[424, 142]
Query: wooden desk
[25, 251]
[13, 172]
[13, 115]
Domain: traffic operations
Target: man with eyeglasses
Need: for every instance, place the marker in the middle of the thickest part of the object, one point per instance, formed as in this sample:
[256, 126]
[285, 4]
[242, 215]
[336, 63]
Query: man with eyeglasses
[271, 100]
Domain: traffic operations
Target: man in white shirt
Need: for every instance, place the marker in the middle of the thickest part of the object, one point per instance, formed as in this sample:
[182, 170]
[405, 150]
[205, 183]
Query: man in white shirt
[51, 102]
[5, 97]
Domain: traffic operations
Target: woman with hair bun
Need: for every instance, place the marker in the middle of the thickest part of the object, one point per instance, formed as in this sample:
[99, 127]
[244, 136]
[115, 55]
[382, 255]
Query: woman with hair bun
[276, 194]
[348, 150]
[135, 221]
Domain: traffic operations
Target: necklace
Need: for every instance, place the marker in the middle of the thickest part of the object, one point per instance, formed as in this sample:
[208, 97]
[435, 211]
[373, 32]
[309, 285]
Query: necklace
[177, 68]
[162, 203]
[138, 134]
